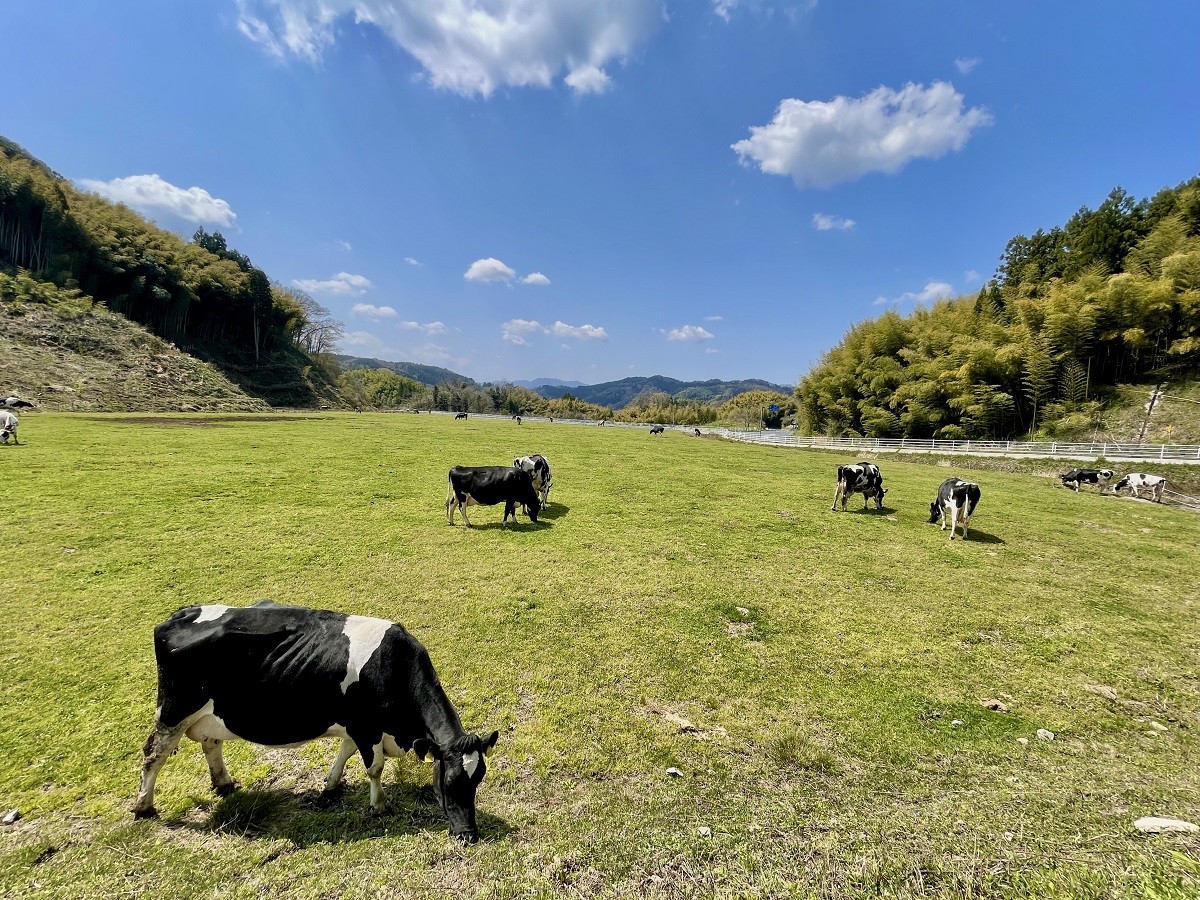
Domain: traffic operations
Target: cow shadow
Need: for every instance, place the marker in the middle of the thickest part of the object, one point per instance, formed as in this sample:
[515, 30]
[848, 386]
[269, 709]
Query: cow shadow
[871, 510]
[512, 525]
[554, 511]
[983, 537]
[340, 816]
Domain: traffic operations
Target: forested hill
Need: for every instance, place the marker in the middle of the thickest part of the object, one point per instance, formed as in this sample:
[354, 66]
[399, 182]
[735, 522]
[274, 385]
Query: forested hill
[1112, 296]
[202, 296]
[619, 394]
[426, 375]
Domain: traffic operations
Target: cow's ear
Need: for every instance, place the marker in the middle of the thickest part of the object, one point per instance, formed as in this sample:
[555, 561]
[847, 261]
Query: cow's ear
[490, 741]
[423, 746]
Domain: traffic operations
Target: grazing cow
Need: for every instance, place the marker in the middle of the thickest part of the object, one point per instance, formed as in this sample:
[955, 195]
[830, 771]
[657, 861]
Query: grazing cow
[8, 427]
[696, 431]
[14, 402]
[460, 416]
[518, 418]
[657, 429]
[957, 500]
[860, 478]
[489, 485]
[1076, 477]
[539, 473]
[1135, 481]
[285, 675]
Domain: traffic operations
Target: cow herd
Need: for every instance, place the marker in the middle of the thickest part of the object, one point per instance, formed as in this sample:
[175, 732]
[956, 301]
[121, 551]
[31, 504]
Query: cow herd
[284, 675]
[1134, 482]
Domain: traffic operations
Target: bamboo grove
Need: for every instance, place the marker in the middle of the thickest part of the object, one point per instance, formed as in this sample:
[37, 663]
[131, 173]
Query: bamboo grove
[200, 294]
[1113, 296]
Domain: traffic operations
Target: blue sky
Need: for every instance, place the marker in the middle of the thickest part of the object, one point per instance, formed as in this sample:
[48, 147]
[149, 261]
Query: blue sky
[525, 188]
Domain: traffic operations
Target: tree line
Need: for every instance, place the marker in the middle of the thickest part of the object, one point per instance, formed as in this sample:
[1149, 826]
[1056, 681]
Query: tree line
[1113, 296]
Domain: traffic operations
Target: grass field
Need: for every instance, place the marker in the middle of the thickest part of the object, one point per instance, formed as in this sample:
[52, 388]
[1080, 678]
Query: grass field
[822, 660]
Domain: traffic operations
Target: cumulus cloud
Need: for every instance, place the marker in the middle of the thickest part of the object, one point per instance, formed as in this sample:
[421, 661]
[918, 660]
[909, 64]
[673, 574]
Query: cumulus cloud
[152, 195]
[472, 47]
[518, 331]
[535, 278]
[822, 222]
[821, 144]
[489, 270]
[965, 65]
[933, 291]
[375, 312]
[689, 333]
[342, 283]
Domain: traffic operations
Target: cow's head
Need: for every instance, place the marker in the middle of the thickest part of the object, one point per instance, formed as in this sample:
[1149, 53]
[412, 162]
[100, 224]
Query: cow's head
[934, 511]
[457, 772]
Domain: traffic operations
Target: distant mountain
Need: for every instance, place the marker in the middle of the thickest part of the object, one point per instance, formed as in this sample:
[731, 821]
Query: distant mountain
[549, 382]
[428, 375]
[619, 394]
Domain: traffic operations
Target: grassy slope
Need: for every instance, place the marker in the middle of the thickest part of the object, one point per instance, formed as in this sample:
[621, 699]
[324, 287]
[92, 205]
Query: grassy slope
[97, 360]
[825, 761]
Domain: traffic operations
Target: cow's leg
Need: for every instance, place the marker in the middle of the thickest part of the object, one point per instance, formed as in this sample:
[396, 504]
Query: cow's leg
[953, 509]
[339, 764]
[966, 521]
[160, 744]
[222, 782]
[450, 504]
[462, 509]
[837, 493]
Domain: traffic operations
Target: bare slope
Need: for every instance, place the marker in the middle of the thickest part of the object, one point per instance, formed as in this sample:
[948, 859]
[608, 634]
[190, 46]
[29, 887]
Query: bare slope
[72, 359]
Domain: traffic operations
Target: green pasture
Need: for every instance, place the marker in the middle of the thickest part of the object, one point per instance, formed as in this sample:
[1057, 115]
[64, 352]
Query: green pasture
[815, 677]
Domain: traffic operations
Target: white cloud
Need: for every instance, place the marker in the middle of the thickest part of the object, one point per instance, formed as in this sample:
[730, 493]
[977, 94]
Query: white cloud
[345, 245]
[714, 318]
[822, 222]
[341, 283]
[151, 194]
[489, 270]
[582, 332]
[366, 344]
[375, 312]
[689, 333]
[965, 65]
[711, 350]
[933, 291]
[469, 46]
[517, 331]
[820, 143]
[414, 262]
[535, 278]
[430, 328]
[970, 276]
[588, 80]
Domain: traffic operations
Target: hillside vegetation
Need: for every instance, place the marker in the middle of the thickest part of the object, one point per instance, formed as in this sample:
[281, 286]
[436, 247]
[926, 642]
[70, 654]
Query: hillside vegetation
[202, 296]
[839, 732]
[1111, 297]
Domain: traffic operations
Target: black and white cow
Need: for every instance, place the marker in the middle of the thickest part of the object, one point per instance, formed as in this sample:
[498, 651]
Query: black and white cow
[285, 675]
[1136, 481]
[657, 429]
[956, 500]
[539, 473]
[8, 427]
[860, 478]
[1076, 477]
[14, 402]
[460, 416]
[489, 485]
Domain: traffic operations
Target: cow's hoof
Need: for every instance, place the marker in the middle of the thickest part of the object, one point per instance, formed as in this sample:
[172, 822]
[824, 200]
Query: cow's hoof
[145, 812]
[224, 790]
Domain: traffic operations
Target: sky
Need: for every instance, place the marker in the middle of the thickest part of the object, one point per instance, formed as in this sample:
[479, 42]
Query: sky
[516, 189]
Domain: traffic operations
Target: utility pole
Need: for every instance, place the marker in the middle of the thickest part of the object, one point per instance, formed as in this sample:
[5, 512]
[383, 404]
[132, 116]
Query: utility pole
[1154, 398]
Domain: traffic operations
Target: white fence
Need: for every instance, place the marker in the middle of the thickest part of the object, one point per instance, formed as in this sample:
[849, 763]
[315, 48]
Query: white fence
[1081, 450]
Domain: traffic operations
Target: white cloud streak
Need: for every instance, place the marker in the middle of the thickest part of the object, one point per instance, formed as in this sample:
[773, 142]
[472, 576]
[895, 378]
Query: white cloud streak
[689, 333]
[535, 278]
[343, 284]
[414, 262]
[429, 328]
[820, 144]
[152, 195]
[965, 65]
[932, 292]
[822, 222]
[375, 312]
[518, 331]
[472, 47]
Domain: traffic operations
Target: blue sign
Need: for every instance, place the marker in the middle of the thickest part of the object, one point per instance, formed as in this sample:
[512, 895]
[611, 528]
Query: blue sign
[774, 407]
